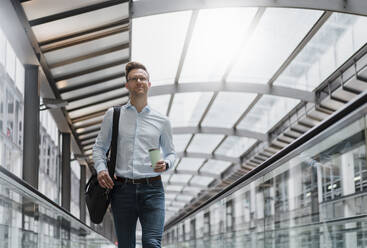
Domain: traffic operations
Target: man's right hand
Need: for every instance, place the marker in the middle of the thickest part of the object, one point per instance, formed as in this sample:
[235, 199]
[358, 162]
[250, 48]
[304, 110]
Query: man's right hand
[105, 180]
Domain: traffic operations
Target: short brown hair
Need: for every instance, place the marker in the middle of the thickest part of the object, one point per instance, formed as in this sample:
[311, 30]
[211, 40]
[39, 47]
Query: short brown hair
[132, 66]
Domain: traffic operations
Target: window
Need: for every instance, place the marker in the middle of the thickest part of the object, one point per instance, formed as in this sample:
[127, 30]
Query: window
[229, 216]
[192, 229]
[207, 224]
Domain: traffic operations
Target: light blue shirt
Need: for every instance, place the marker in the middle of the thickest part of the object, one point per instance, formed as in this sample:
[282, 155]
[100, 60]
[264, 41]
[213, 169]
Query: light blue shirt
[138, 132]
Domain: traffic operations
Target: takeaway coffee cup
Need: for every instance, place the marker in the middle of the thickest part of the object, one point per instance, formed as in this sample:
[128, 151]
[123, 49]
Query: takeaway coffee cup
[155, 156]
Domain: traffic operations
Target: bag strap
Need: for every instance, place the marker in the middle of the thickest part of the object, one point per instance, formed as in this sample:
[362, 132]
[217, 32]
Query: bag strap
[115, 133]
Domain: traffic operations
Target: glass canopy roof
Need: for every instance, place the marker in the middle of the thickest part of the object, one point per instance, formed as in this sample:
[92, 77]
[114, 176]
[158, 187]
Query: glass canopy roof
[234, 45]
[228, 77]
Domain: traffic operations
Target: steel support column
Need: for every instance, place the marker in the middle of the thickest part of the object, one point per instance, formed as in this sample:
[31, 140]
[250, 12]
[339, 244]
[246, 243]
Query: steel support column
[83, 177]
[31, 126]
[66, 172]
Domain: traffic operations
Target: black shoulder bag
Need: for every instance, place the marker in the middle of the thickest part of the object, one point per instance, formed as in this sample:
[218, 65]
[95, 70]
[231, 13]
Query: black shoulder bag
[96, 197]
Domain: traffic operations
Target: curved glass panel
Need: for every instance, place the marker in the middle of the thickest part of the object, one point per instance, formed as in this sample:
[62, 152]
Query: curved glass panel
[217, 35]
[174, 187]
[204, 143]
[86, 48]
[187, 108]
[90, 63]
[215, 166]
[234, 146]
[180, 141]
[153, 34]
[190, 164]
[184, 198]
[159, 103]
[180, 178]
[336, 41]
[96, 98]
[91, 76]
[202, 180]
[267, 112]
[94, 88]
[88, 121]
[227, 109]
[84, 21]
[276, 36]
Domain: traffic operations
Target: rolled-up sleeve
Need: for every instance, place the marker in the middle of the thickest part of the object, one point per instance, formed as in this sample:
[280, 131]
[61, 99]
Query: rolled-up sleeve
[103, 142]
[166, 142]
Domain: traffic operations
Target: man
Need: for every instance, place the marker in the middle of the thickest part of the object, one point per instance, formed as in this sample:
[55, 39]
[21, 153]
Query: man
[137, 190]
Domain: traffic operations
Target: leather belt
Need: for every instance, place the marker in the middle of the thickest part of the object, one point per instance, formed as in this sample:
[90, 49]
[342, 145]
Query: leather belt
[146, 180]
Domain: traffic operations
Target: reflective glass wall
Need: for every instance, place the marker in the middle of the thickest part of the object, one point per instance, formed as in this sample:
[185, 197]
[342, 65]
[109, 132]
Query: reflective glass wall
[75, 189]
[11, 108]
[30, 220]
[314, 197]
[49, 166]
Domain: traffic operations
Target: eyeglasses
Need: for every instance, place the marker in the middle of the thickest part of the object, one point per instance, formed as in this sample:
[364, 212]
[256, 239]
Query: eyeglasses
[136, 79]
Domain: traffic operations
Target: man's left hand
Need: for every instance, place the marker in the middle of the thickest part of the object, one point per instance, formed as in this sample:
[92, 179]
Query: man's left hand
[160, 166]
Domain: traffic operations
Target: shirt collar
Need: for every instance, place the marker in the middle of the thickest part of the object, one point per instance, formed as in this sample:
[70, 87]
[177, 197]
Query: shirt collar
[130, 106]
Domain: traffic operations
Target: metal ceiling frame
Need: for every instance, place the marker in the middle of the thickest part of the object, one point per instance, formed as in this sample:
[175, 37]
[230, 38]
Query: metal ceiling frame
[196, 130]
[187, 41]
[221, 130]
[269, 84]
[143, 8]
[42, 61]
[181, 193]
[120, 96]
[91, 83]
[95, 93]
[75, 12]
[121, 22]
[72, 39]
[91, 70]
[146, 8]
[209, 156]
[264, 89]
[90, 55]
[74, 42]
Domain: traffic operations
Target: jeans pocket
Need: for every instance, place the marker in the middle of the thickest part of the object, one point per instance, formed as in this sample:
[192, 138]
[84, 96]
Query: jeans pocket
[156, 184]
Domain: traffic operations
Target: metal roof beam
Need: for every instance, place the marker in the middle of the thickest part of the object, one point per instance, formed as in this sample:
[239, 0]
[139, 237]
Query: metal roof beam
[89, 131]
[122, 96]
[88, 124]
[74, 12]
[91, 70]
[146, 8]
[221, 130]
[196, 185]
[124, 21]
[189, 32]
[74, 42]
[181, 193]
[89, 116]
[194, 173]
[264, 89]
[208, 156]
[93, 137]
[90, 55]
[91, 83]
[95, 93]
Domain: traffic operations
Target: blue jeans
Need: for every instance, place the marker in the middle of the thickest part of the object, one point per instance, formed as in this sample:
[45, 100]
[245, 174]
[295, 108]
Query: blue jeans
[144, 201]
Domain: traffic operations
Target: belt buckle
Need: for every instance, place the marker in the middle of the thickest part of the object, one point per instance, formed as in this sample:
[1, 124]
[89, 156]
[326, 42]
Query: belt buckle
[134, 182]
